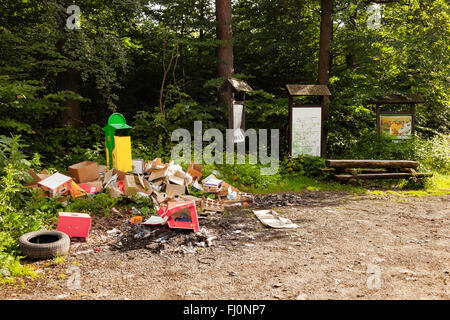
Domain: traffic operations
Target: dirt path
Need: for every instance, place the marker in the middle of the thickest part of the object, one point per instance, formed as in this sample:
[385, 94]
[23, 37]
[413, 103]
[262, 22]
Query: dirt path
[346, 247]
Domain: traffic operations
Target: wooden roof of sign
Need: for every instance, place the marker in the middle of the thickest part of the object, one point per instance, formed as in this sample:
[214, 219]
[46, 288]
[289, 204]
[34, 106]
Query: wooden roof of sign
[308, 90]
[240, 85]
[399, 99]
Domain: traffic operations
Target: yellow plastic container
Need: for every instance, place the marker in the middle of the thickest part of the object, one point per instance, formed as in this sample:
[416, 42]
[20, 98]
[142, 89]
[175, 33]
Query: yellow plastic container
[122, 158]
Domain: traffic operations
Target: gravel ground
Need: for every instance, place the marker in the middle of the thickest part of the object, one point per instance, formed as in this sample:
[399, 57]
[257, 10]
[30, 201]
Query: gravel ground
[345, 247]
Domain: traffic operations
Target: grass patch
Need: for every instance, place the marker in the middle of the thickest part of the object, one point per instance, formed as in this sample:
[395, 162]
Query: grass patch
[296, 183]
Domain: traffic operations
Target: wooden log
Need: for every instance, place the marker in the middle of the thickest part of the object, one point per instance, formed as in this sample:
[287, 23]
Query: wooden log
[367, 170]
[328, 170]
[382, 176]
[371, 164]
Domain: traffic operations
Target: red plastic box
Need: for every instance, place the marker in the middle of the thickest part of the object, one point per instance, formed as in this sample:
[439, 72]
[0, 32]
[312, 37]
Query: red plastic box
[177, 210]
[75, 225]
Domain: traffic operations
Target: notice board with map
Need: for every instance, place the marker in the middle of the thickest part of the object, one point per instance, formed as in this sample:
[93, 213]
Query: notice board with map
[397, 126]
[306, 131]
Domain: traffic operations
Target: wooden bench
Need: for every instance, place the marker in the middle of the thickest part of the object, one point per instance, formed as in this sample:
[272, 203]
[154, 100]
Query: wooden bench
[344, 170]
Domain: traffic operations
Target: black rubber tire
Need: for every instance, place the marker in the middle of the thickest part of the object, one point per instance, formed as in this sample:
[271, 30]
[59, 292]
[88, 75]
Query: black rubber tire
[32, 250]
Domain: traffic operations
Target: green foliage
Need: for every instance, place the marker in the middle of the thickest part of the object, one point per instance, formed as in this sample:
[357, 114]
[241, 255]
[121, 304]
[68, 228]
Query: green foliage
[19, 213]
[242, 175]
[303, 165]
[100, 204]
[434, 154]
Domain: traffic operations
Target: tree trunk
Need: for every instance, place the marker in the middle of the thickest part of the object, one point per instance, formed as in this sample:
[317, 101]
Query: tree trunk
[68, 80]
[225, 59]
[326, 29]
[325, 42]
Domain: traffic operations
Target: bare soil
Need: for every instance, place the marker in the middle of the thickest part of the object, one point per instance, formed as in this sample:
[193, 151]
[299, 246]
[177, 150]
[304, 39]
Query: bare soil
[346, 247]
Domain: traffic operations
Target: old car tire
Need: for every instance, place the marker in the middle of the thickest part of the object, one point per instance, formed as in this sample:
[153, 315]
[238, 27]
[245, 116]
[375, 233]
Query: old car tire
[44, 244]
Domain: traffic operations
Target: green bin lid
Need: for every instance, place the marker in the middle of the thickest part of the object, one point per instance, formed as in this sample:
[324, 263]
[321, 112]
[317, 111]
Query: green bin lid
[116, 122]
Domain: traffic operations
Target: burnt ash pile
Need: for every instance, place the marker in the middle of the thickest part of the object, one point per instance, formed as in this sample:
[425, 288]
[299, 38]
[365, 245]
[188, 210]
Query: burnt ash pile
[293, 199]
[279, 200]
[217, 230]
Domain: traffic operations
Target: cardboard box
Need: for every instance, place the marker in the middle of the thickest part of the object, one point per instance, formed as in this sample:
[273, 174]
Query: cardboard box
[174, 190]
[144, 186]
[130, 186]
[75, 225]
[120, 174]
[195, 171]
[225, 191]
[36, 177]
[84, 171]
[96, 184]
[155, 165]
[56, 185]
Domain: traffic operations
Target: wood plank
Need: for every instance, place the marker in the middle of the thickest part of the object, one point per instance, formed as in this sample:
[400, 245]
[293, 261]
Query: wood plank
[328, 170]
[382, 176]
[372, 164]
[368, 170]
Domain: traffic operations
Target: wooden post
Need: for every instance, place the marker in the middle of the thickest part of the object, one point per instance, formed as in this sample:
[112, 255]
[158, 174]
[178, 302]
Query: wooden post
[378, 123]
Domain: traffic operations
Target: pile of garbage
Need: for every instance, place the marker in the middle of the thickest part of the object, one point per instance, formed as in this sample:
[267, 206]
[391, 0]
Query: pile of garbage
[166, 184]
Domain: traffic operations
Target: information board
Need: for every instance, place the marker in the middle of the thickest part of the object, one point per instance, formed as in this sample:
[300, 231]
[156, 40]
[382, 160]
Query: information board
[306, 131]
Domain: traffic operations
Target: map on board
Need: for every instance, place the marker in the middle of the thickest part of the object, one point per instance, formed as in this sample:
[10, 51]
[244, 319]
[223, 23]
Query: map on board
[306, 131]
[396, 126]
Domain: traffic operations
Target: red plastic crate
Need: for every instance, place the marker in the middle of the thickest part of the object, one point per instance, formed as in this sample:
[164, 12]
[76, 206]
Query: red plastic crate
[75, 225]
[177, 209]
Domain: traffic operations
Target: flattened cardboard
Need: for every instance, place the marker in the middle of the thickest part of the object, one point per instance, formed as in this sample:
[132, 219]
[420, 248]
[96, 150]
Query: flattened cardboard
[159, 173]
[270, 218]
[174, 190]
[115, 192]
[144, 186]
[84, 171]
[176, 179]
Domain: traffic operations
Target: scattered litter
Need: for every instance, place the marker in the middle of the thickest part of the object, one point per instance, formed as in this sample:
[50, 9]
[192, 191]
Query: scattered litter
[154, 221]
[114, 232]
[411, 279]
[271, 219]
[84, 252]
